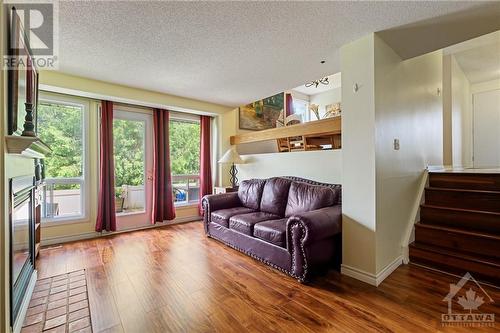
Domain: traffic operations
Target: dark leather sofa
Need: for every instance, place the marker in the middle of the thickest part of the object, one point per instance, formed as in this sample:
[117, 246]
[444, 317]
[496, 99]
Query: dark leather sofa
[289, 223]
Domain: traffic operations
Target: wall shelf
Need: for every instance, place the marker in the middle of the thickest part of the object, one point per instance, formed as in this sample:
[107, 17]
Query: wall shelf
[26, 146]
[322, 127]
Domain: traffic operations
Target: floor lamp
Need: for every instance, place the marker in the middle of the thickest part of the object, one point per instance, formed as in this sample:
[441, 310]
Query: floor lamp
[231, 156]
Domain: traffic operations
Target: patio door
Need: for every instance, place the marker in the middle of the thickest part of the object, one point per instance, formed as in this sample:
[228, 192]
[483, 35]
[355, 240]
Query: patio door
[133, 159]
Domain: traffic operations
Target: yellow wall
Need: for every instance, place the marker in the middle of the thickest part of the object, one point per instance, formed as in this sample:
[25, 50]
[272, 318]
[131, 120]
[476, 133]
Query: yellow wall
[4, 239]
[99, 89]
[10, 166]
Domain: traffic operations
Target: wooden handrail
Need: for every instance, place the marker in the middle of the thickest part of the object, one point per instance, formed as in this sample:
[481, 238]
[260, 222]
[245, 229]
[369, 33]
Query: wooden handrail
[318, 127]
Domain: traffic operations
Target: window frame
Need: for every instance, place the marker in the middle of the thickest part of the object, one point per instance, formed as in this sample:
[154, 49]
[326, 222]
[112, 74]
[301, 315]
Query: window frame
[84, 180]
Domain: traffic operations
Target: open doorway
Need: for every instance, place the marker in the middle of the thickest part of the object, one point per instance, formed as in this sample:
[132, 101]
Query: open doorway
[471, 99]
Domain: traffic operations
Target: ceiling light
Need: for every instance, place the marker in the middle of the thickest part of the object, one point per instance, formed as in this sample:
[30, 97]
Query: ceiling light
[316, 83]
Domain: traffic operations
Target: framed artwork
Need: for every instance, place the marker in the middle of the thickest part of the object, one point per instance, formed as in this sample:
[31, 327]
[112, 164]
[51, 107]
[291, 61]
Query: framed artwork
[332, 110]
[262, 114]
[23, 80]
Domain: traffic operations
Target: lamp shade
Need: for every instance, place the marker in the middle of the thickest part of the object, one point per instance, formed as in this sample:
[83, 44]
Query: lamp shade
[231, 156]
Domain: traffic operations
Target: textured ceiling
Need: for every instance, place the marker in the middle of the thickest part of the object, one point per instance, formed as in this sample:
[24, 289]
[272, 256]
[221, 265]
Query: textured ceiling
[229, 53]
[479, 58]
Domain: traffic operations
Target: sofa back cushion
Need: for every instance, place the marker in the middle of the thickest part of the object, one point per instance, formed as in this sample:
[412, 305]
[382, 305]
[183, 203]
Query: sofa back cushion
[275, 196]
[250, 192]
[304, 197]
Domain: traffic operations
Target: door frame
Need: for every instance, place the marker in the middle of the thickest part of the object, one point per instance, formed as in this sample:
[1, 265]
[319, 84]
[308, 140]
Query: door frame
[134, 220]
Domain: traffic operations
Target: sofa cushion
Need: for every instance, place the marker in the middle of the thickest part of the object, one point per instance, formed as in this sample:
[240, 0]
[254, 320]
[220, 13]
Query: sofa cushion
[250, 192]
[275, 195]
[244, 223]
[222, 216]
[304, 197]
[273, 231]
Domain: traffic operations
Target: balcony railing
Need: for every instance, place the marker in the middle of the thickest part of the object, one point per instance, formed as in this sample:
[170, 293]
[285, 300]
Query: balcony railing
[63, 198]
[186, 189]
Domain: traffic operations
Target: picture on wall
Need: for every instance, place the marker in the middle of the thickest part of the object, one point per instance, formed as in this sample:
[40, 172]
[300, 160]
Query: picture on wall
[332, 110]
[262, 114]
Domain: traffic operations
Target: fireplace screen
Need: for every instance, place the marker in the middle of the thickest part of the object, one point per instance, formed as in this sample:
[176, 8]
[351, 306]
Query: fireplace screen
[21, 239]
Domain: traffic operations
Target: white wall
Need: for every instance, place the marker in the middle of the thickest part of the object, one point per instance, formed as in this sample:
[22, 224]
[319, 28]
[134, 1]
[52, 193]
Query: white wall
[358, 156]
[457, 115]
[461, 106]
[409, 108]
[485, 86]
[486, 129]
[478, 88]
[447, 112]
[395, 99]
[322, 166]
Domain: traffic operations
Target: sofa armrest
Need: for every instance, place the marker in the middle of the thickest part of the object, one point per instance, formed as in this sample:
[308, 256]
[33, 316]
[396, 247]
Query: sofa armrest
[317, 224]
[305, 229]
[221, 201]
[212, 202]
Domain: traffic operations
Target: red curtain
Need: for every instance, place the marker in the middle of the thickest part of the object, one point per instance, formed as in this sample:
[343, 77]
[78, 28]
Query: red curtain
[163, 199]
[205, 158]
[106, 217]
[289, 105]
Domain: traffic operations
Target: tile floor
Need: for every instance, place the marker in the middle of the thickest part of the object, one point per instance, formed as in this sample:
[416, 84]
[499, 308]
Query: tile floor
[59, 304]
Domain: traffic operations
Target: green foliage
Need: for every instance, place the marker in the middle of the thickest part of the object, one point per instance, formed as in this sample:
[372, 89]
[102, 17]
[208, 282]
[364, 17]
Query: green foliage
[60, 127]
[184, 147]
[128, 145]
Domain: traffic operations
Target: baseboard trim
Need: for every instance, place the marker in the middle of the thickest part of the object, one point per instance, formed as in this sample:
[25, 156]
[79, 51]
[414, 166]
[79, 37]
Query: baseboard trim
[67, 239]
[94, 234]
[370, 278]
[16, 328]
[358, 274]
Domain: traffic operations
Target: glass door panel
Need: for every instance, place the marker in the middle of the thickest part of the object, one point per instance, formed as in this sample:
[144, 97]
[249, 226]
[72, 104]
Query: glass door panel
[132, 144]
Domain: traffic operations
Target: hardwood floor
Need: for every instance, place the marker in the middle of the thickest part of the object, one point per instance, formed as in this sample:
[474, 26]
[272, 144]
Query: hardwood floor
[174, 279]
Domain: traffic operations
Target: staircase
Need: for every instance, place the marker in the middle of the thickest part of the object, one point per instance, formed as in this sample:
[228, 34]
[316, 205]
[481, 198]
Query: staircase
[459, 228]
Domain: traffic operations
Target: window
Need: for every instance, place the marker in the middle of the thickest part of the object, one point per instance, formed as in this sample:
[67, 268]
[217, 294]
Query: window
[301, 107]
[61, 125]
[184, 134]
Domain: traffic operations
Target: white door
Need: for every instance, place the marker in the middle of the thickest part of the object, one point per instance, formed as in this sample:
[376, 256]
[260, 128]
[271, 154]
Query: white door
[133, 159]
[487, 129]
